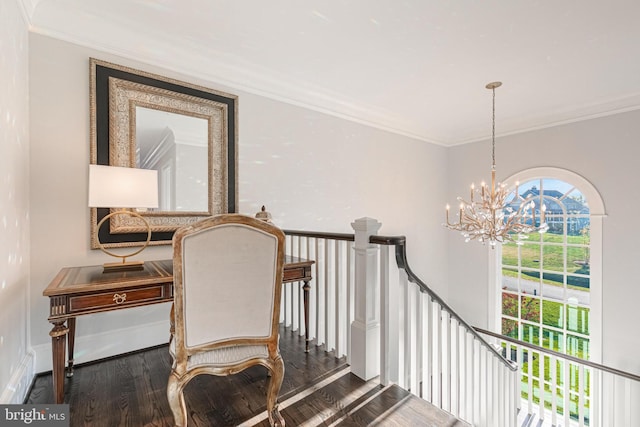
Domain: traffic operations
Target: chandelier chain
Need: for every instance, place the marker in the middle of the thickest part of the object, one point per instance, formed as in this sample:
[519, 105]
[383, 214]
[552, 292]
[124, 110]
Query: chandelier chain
[493, 130]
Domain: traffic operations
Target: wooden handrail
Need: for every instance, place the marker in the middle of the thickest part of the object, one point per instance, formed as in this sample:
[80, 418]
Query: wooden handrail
[401, 259]
[321, 235]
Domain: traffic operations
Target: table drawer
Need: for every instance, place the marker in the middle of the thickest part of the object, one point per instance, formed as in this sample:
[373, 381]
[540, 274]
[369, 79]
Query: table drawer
[114, 299]
[295, 274]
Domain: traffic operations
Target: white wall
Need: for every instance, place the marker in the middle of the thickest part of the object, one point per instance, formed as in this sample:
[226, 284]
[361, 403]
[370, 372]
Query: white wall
[15, 359]
[312, 171]
[605, 151]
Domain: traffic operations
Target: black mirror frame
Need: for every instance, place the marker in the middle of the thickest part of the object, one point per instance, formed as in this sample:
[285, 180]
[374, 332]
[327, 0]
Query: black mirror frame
[100, 73]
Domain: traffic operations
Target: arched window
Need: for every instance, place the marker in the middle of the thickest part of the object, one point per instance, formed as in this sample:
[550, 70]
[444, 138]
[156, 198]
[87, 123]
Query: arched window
[548, 288]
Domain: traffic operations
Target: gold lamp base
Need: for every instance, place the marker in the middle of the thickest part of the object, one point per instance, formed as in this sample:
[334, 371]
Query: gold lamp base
[124, 265]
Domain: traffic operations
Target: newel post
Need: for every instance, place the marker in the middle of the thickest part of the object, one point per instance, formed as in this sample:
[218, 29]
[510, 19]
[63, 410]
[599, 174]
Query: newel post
[365, 328]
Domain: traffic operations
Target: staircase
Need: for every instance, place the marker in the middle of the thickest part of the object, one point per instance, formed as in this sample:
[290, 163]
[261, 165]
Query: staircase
[425, 348]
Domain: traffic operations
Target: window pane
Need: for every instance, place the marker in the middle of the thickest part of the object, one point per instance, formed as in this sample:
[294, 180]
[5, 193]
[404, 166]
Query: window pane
[531, 334]
[509, 304]
[578, 319]
[553, 257]
[556, 285]
[552, 313]
[584, 234]
[555, 221]
[579, 282]
[529, 188]
[530, 309]
[510, 254]
[530, 255]
[534, 236]
[576, 203]
[553, 340]
[530, 282]
[510, 279]
[551, 237]
[578, 346]
[578, 260]
[510, 328]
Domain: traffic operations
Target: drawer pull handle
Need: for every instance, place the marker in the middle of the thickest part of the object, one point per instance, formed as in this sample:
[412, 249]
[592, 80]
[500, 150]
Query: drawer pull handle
[119, 298]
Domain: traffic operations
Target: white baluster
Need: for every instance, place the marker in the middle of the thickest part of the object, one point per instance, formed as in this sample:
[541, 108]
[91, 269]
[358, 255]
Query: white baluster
[328, 307]
[454, 406]
[581, 391]
[566, 391]
[436, 353]
[420, 332]
[337, 291]
[554, 390]
[427, 350]
[408, 335]
[446, 361]
[541, 371]
[413, 319]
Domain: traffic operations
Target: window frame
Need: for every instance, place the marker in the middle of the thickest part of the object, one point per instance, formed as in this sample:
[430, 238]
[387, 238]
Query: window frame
[596, 213]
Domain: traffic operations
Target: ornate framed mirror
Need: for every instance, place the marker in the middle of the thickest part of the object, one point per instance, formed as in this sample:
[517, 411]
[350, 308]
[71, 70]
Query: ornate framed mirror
[184, 131]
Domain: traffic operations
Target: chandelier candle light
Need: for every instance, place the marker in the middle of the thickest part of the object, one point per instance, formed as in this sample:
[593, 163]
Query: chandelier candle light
[489, 216]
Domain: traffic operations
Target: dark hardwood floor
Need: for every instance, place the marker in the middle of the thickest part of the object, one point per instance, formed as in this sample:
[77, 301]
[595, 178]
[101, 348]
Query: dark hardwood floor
[318, 390]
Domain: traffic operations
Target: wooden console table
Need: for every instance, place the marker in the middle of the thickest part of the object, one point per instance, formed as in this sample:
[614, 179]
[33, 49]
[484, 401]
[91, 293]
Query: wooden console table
[84, 290]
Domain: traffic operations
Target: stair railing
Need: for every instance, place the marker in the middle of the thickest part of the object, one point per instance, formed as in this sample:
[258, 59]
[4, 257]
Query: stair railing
[428, 349]
[331, 294]
[597, 395]
[437, 355]
[425, 346]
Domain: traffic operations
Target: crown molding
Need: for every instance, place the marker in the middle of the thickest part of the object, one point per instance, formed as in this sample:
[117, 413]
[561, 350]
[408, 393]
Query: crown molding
[560, 118]
[258, 82]
[255, 80]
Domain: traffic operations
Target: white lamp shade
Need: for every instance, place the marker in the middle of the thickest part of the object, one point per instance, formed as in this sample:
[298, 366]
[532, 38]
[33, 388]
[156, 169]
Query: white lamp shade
[119, 187]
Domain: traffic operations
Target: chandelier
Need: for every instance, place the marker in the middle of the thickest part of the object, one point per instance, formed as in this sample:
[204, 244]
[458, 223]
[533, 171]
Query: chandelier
[489, 216]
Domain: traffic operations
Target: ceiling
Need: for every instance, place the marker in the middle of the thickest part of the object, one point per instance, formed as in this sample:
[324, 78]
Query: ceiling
[413, 67]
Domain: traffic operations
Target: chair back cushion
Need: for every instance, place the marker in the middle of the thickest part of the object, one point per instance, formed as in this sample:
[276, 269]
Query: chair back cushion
[228, 276]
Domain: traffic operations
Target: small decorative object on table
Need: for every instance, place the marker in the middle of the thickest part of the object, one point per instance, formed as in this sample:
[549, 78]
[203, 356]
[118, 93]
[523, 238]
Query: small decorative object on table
[264, 215]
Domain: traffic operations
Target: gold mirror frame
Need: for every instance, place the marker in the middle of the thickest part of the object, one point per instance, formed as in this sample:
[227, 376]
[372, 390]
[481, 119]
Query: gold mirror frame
[115, 93]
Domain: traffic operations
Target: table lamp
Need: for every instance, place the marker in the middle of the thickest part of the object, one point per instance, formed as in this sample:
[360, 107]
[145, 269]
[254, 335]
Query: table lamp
[121, 188]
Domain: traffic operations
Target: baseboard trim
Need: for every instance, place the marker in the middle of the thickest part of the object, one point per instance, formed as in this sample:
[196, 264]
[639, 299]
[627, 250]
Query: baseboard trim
[20, 383]
[89, 348]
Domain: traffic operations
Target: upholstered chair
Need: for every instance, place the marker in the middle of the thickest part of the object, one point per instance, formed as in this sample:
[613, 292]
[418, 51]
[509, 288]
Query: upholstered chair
[227, 281]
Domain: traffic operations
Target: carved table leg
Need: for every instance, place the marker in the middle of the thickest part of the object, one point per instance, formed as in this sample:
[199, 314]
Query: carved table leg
[306, 288]
[58, 340]
[71, 338]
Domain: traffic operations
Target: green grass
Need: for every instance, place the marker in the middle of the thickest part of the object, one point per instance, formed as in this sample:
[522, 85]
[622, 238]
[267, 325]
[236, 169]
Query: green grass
[552, 257]
[541, 253]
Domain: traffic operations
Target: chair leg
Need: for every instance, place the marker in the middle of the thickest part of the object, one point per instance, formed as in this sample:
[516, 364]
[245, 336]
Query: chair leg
[177, 404]
[275, 382]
